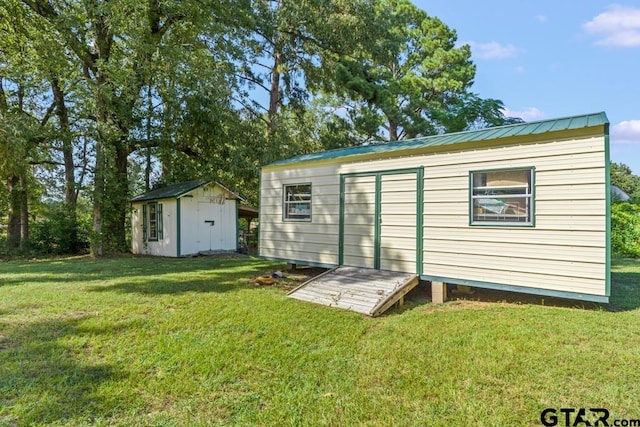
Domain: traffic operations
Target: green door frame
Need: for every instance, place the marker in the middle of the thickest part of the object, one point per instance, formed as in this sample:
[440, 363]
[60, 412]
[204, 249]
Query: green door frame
[377, 223]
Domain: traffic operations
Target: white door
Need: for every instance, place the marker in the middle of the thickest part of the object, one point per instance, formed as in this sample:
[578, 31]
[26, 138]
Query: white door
[210, 226]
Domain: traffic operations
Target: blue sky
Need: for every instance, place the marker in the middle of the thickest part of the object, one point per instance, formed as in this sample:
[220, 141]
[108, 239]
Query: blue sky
[546, 59]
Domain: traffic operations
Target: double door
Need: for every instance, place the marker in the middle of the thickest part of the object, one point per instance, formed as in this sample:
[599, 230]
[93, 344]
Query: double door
[380, 223]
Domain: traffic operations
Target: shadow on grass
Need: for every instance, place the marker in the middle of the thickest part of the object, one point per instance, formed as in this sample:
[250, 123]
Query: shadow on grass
[172, 286]
[138, 273]
[202, 281]
[44, 381]
[625, 287]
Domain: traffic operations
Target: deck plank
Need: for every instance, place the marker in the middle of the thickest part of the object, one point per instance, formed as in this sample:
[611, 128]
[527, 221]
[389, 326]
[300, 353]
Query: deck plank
[362, 290]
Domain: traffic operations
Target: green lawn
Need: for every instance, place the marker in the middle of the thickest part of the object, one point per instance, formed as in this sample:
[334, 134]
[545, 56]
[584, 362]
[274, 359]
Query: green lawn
[146, 341]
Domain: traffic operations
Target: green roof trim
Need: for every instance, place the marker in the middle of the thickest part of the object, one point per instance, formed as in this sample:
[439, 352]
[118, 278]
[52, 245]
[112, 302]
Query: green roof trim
[499, 132]
[176, 190]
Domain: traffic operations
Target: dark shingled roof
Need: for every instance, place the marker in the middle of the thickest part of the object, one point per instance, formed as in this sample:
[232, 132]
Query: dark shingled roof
[176, 190]
[518, 129]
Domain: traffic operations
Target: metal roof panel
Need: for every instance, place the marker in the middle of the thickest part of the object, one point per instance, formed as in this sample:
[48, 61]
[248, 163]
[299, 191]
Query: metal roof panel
[499, 132]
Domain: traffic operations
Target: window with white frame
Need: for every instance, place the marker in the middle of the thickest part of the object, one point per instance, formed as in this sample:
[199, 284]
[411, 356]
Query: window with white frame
[297, 202]
[502, 197]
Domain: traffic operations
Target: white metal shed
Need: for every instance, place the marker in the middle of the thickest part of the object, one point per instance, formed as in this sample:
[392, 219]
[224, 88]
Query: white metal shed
[185, 219]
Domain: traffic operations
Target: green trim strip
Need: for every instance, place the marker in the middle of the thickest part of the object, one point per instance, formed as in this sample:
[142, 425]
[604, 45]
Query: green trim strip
[419, 220]
[178, 238]
[377, 230]
[341, 223]
[607, 178]
[520, 289]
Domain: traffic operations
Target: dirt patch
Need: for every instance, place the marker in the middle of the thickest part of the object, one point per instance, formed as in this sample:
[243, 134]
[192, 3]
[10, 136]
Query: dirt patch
[291, 278]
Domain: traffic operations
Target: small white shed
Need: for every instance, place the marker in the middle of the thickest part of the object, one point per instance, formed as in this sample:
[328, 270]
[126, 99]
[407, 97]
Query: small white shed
[185, 219]
[523, 208]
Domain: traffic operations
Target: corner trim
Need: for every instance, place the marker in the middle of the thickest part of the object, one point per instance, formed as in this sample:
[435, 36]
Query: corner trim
[377, 230]
[607, 180]
[341, 222]
[419, 220]
[178, 237]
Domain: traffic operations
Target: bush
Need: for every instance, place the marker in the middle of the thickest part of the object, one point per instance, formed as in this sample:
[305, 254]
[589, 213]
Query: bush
[625, 229]
[59, 232]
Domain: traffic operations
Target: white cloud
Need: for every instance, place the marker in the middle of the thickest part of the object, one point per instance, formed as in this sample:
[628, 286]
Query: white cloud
[527, 114]
[519, 69]
[492, 50]
[618, 26]
[626, 132]
[541, 18]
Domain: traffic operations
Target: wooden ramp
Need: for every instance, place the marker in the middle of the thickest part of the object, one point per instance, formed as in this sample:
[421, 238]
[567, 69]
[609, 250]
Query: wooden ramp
[367, 291]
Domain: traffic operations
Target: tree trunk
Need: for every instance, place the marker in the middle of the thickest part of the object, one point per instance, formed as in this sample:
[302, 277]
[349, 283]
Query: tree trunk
[13, 225]
[97, 249]
[393, 130]
[70, 195]
[24, 211]
[147, 165]
[119, 195]
[274, 93]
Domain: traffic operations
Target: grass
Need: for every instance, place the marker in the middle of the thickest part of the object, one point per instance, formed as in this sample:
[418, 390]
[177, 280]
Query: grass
[173, 342]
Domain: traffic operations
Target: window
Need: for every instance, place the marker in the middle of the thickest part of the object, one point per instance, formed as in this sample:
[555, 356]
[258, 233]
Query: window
[502, 197]
[297, 202]
[152, 227]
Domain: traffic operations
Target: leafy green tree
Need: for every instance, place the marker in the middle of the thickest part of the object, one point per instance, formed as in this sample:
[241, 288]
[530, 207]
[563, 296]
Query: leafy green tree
[625, 229]
[291, 57]
[412, 80]
[121, 48]
[623, 177]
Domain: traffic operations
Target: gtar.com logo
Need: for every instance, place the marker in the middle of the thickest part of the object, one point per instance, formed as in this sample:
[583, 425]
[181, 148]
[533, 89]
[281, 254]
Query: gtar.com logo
[589, 417]
[575, 417]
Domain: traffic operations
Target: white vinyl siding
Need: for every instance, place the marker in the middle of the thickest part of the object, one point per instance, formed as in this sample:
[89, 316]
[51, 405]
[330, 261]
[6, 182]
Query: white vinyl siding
[566, 251]
[303, 241]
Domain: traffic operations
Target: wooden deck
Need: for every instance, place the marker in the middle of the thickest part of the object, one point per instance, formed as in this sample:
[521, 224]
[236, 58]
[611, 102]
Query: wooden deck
[367, 291]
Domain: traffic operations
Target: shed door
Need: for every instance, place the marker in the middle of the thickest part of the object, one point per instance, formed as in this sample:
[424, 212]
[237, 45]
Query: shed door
[210, 226]
[379, 222]
[359, 222]
[398, 222]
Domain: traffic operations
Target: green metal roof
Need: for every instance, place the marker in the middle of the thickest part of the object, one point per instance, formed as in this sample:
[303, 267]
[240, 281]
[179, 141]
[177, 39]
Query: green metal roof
[177, 190]
[518, 129]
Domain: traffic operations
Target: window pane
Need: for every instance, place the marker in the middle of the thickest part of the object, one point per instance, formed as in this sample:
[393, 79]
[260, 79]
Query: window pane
[297, 202]
[502, 197]
[153, 221]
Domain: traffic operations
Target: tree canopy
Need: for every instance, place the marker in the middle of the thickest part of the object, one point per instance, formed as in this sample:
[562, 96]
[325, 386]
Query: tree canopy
[103, 99]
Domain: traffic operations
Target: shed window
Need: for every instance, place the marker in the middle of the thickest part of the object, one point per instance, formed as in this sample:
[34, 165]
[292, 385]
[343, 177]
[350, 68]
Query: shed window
[297, 202]
[502, 197]
[152, 227]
